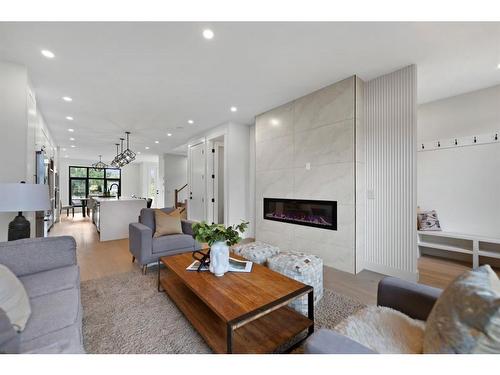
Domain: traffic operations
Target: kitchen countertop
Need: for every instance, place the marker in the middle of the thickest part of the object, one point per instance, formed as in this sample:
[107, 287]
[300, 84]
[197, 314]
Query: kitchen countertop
[113, 199]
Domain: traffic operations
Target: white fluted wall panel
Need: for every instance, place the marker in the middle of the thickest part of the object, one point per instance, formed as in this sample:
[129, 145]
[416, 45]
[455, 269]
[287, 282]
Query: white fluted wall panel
[390, 115]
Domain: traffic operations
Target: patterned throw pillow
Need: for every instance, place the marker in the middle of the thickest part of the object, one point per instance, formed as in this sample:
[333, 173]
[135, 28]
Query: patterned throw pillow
[466, 316]
[428, 220]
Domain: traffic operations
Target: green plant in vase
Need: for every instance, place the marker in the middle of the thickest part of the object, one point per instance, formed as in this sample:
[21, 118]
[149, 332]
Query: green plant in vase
[219, 238]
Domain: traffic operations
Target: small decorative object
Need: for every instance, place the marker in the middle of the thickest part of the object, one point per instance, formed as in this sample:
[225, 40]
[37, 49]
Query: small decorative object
[428, 220]
[219, 238]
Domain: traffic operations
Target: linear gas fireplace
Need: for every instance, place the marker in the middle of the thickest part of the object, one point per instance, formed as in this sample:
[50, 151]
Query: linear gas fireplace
[312, 213]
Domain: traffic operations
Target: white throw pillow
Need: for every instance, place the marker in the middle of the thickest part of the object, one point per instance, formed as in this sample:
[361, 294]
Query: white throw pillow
[14, 299]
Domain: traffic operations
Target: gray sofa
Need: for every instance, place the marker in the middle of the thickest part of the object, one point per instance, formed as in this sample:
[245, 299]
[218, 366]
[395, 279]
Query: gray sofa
[48, 270]
[412, 299]
[147, 249]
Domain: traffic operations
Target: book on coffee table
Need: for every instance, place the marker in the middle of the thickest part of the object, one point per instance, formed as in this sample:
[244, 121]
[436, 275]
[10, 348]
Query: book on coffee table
[235, 265]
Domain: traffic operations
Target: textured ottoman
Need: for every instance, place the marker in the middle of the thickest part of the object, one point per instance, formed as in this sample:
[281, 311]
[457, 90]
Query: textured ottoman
[307, 269]
[257, 252]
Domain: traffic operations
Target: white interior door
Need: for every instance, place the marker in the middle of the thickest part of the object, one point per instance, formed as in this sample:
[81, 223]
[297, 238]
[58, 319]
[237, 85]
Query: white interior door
[218, 183]
[196, 200]
[152, 185]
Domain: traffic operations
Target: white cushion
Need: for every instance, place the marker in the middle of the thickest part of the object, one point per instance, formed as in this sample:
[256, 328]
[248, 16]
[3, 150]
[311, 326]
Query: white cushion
[14, 299]
[384, 330]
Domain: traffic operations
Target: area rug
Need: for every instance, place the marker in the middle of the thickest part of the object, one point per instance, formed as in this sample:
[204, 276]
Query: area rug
[125, 314]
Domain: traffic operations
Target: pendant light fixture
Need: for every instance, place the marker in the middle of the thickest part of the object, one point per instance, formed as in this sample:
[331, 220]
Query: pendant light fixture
[114, 162]
[123, 157]
[128, 155]
[100, 164]
[119, 157]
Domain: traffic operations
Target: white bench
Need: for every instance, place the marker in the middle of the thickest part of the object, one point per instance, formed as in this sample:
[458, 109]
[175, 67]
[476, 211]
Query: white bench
[470, 244]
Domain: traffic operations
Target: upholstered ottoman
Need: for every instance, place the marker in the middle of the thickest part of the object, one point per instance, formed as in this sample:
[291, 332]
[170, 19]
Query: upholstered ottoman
[257, 252]
[305, 268]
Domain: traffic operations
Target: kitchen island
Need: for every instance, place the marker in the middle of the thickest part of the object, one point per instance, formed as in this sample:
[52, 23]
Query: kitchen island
[113, 215]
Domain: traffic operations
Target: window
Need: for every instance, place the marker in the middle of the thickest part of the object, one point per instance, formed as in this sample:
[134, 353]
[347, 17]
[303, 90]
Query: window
[88, 181]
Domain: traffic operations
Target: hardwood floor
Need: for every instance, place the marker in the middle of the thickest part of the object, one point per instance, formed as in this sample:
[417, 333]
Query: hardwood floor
[96, 259]
[101, 259]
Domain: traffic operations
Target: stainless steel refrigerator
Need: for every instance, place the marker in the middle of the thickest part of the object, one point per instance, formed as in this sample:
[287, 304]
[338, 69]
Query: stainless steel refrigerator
[45, 175]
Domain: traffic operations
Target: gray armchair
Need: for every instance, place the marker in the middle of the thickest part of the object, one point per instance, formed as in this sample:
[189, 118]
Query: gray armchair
[147, 249]
[412, 299]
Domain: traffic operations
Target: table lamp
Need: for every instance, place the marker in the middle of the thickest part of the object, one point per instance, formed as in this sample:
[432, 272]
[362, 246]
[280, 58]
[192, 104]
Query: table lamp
[22, 197]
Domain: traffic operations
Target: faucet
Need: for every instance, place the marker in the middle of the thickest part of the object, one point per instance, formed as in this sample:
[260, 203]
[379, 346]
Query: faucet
[117, 192]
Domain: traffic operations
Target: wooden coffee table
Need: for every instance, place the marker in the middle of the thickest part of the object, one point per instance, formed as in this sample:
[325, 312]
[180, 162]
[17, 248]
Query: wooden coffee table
[238, 312]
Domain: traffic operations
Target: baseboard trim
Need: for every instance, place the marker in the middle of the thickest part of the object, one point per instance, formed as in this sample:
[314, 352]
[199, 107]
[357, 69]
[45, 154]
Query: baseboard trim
[390, 271]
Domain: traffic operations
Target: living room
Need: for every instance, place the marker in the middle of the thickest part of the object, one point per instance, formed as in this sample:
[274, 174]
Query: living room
[292, 188]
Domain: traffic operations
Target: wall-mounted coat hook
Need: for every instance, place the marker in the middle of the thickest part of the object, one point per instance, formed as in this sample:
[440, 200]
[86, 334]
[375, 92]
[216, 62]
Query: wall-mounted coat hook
[456, 142]
[439, 144]
[423, 147]
[475, 140]
[496, 137]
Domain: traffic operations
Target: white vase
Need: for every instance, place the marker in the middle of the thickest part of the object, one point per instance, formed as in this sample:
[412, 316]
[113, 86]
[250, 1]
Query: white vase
[219, 258]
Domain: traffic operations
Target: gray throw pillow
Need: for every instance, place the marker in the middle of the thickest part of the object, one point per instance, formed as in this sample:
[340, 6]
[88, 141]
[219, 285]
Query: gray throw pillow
[466, 316]
[14, 299]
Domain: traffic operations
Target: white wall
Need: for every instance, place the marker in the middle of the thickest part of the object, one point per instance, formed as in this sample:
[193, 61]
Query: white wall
[236, 153]
[24, 132]
[251, 182]
[390, 117]
[14, 129]
[131, 180]
[462, 184]
[144, 171]
[175, 177]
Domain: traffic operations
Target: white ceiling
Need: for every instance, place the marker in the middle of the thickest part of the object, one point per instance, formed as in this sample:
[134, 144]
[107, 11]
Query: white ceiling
[150, 78]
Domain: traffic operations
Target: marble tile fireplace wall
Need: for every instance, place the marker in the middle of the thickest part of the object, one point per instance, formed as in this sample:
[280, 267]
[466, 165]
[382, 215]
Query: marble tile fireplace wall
[312, 148]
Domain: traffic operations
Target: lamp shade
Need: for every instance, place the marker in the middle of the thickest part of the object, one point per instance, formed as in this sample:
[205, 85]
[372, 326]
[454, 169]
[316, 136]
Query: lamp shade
[16, 197]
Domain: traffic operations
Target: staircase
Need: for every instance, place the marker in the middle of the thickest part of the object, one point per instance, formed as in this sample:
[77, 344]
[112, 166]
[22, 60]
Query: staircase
[181, 205]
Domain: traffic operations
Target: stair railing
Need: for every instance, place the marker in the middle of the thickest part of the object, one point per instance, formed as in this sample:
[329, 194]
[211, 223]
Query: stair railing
[176, 199]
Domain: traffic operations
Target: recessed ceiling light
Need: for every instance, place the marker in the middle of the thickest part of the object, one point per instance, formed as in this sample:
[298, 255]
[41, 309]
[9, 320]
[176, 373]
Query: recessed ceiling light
[169, 134]
[498, 66]
[71, 130]
[73, 146]
[67, 99]
[190, 122]
[138, 152]
[233, 109]
[69, 118]
[275, 122]
[64, 149]
[208, 34]
[147, 147]
[72, 139]
[65, 156]
[48, 54]
[157, 142]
